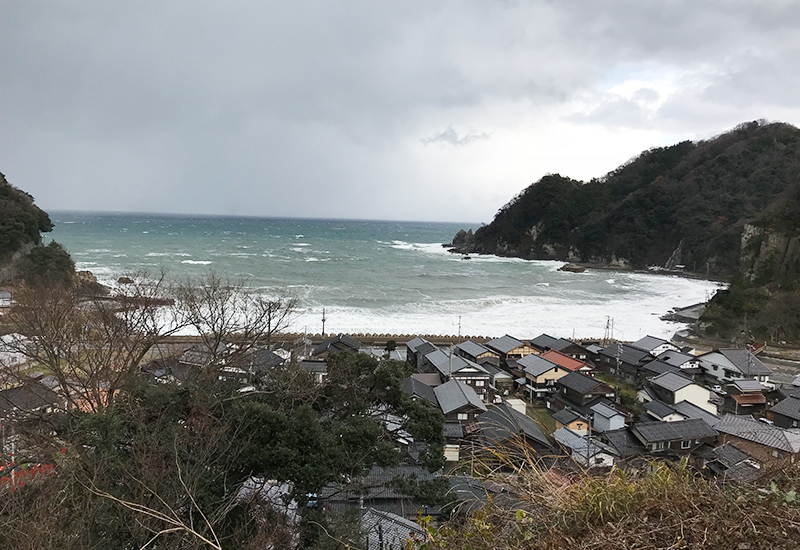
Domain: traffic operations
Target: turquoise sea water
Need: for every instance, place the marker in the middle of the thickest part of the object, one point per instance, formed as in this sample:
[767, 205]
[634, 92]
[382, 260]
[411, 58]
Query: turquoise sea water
[379, 276]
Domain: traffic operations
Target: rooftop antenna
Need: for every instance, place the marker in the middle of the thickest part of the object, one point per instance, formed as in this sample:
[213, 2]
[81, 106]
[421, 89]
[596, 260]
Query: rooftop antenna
[459, 326]
[323, 322]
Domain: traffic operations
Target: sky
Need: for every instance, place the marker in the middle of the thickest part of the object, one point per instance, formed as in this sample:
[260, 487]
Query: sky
[405, 110]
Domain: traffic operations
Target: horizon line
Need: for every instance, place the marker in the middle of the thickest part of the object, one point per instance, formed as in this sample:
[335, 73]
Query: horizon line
[247, 216]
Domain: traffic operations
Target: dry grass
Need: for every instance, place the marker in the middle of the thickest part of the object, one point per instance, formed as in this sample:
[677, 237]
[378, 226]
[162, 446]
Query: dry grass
[662, 506]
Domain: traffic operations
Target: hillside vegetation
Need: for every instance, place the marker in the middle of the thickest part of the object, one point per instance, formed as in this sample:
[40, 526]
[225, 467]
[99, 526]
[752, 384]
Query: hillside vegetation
[22, 254]
[726, 207]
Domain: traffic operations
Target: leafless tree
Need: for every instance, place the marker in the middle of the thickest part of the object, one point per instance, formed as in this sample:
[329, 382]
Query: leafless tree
[91, 345]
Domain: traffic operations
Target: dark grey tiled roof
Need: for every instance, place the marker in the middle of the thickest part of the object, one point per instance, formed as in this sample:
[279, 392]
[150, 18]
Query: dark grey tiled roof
[504, 344]
[746, 427]
[690, 410]
[624, 442]
[789, 407]
[455, 395]
[605, 411]
[628, 354]
[565, 416]
[471, 348]
[337, 343]
[649, 343]
[694, 428]
[27, 398]
[414, 387]
[453, 430]
[730, 455]
[659, 409]
[536, 365]
[578, 382]
[654, 368]
[579, 444]
[546, 342]
[671, 381]
[675, 358]
[749, 364]
[448, 364]
[502, 422]
[388, 531]
[308, 365]
[748, 385]
[432, 379]
[414, 343]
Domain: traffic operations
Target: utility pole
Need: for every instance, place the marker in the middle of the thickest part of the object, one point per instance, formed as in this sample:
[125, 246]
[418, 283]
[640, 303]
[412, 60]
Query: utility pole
[323, 323]
[459, 327]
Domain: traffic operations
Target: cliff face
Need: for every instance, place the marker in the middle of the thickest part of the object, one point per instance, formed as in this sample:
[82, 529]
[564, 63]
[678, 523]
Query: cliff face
[684, 205]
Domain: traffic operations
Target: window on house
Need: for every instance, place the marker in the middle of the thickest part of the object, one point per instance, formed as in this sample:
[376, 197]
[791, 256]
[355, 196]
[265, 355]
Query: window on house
[686, 444]
[714, 367]
[463, 416]
[479, 383]
[775, 454]
[658, 446]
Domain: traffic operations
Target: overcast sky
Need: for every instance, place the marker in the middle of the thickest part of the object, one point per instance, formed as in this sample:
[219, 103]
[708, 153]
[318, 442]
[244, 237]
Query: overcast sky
[363, 109]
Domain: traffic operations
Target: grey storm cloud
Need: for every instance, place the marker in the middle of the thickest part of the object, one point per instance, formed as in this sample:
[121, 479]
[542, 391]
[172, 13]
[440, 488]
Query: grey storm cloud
[451, 137]
[315, 108]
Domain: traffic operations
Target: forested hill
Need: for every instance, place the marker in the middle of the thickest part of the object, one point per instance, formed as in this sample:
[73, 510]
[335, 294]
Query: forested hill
[21, 221]
[22, 256]
[687, 204]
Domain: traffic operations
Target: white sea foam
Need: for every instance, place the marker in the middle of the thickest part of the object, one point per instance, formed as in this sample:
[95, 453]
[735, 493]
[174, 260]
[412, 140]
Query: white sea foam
[197, 262]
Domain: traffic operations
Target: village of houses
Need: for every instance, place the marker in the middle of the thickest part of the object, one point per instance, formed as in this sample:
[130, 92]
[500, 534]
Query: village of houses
[577, 406]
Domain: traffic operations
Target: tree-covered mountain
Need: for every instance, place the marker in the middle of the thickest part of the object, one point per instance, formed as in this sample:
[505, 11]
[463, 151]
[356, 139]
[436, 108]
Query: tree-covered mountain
[725, 207]
[686, 204]
[22, 255]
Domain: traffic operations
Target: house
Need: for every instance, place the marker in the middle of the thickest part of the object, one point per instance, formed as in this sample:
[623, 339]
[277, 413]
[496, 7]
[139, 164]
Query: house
[579, 390]
[658, 411]
[316, 368]
[336, 344]
[200, 356]
[540, 375]
[379, 489]
[672, 388]
[681, 437]
[623, 444]
[729, 364]
[786, 414]
[5, 298]
[681, 360]
[501, 382]
[545, 342]
[766, 443]
[416, 350]
[509, 348]
[655, 346]
[606, 418]
[419, 390]
[623, 360]
[502, 426]
[585, 450]
[732, 464]
[381, 353]
[259, 361]
[475, 352]
[745, 396]
[453, 367]
[567, 361]
[459, 402]
[567, 418]
[656, 367]
[28, 399]
[388, 531]
[690, 410]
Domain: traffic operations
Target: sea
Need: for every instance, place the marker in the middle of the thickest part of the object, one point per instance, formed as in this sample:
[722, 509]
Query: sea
[380, 277]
